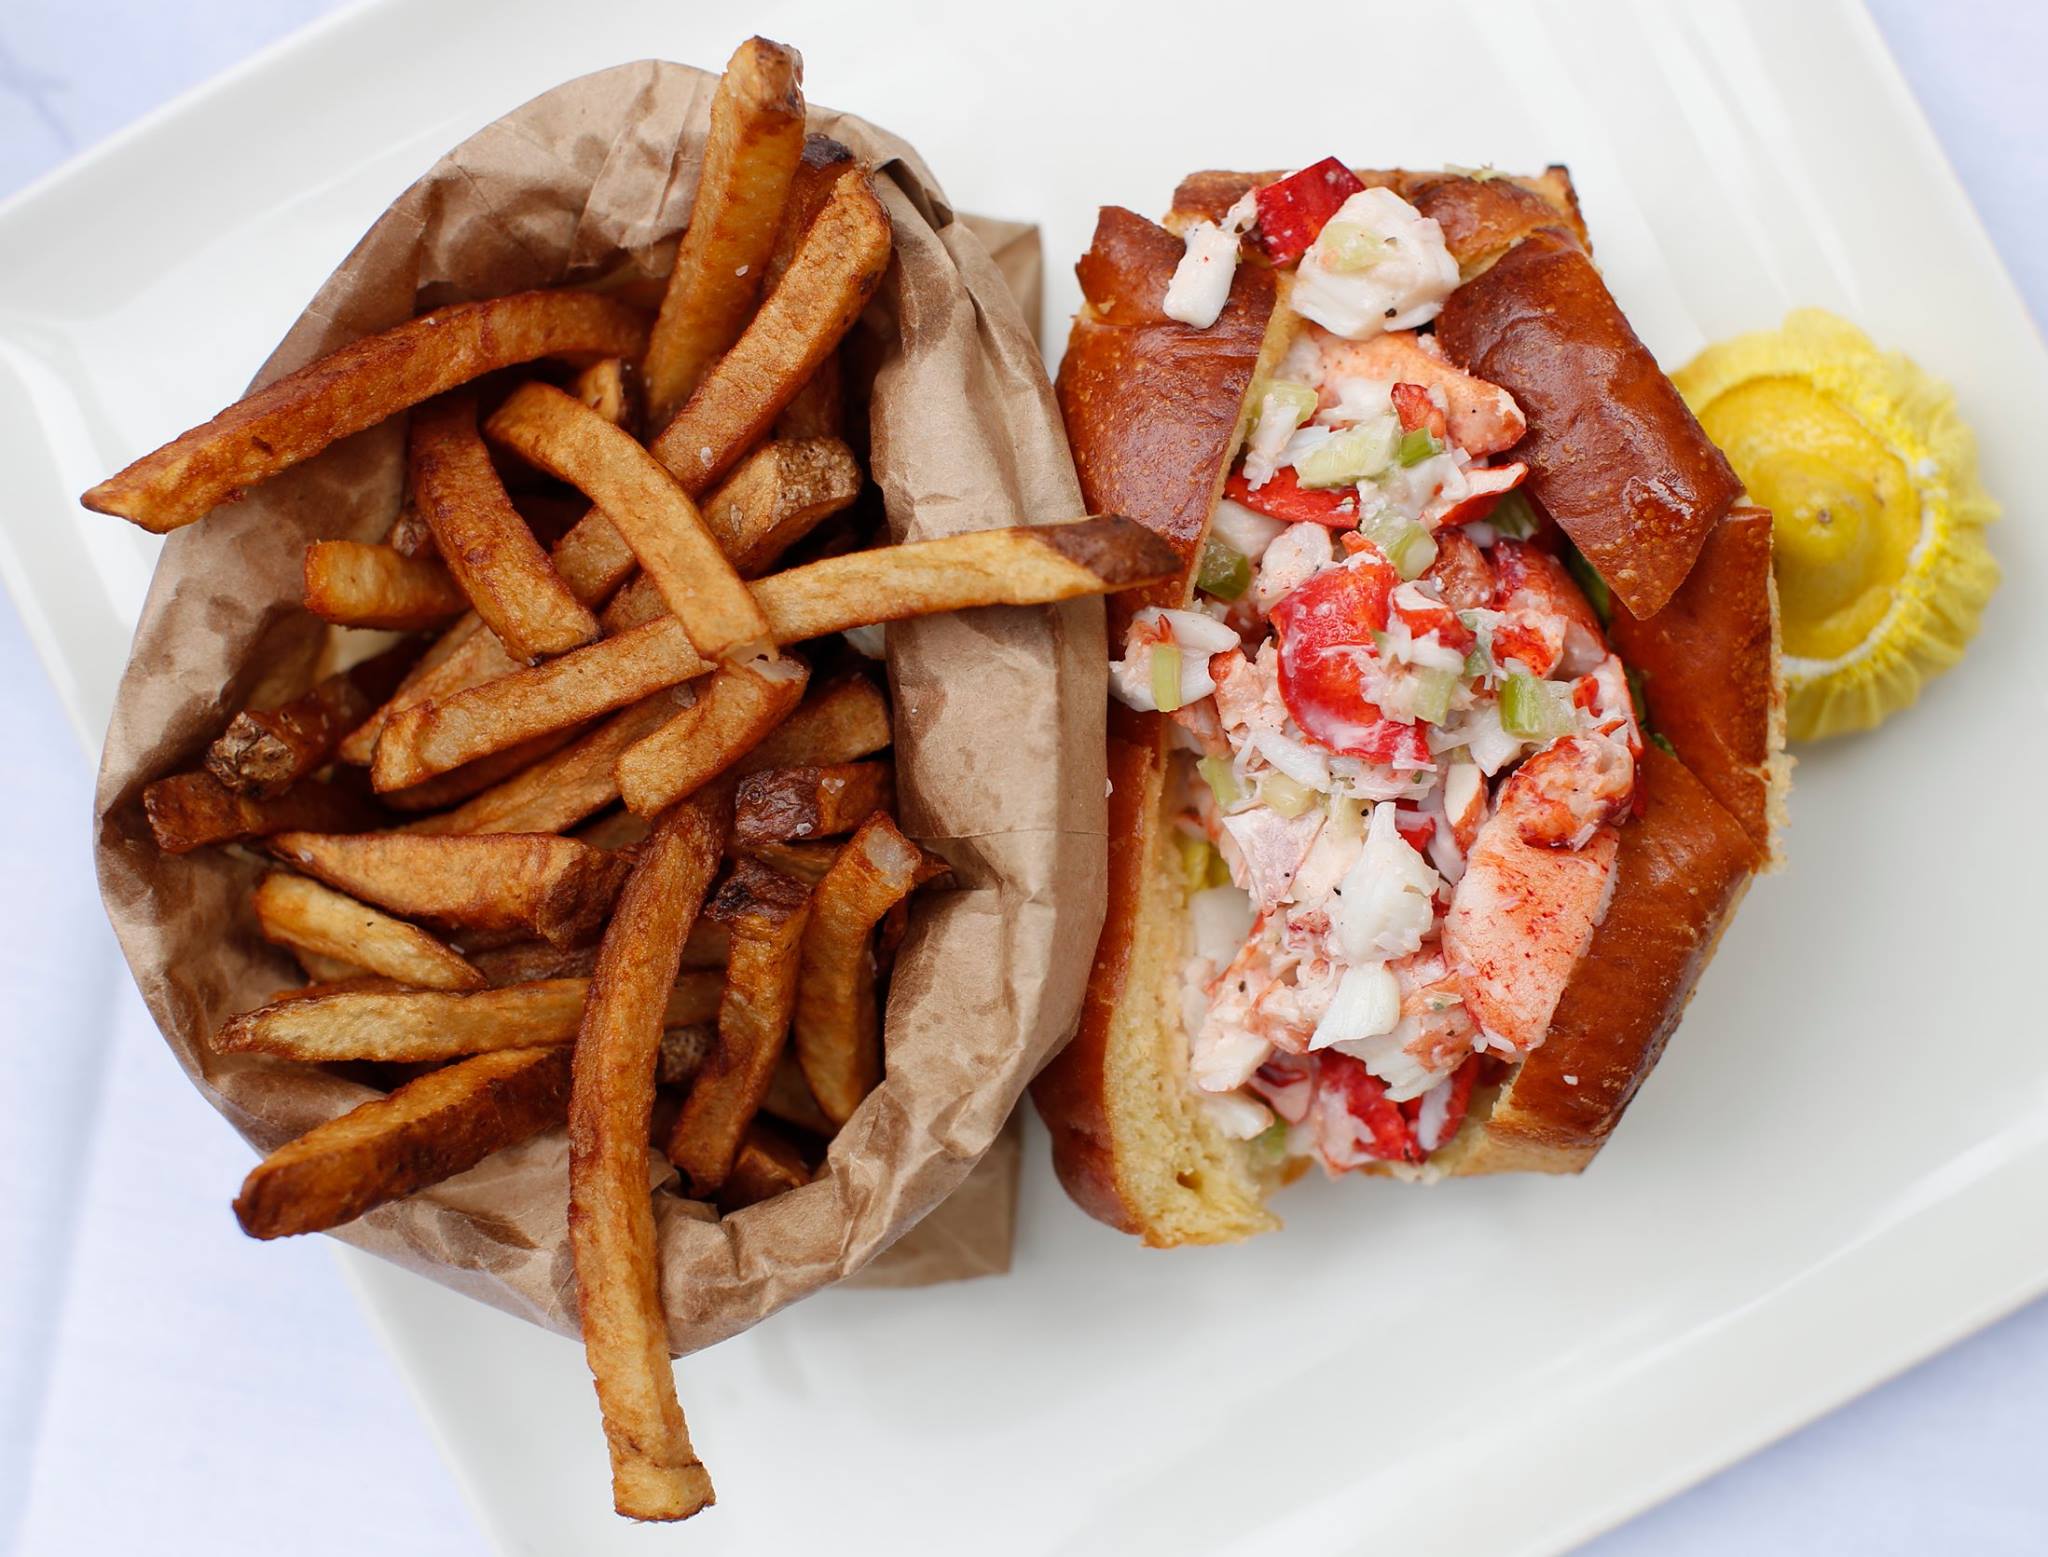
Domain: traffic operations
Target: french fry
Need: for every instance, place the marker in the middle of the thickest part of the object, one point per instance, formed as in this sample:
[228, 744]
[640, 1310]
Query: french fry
[553, 887]
[842, 721]
[1024, 566]
[189, 810]
[641, 499]
[655, 1473]
[357, 387]
[778, 805]
[524, 961]
[363, 584]
[329, 1024]
[610, 388]
[789, 1098]
[618, 830]
[805, 861]
[817, 410]
[493, 556]
[557, 792]
[756, 139]
[430, 1129]
[461, 784]
[776, 496]
[736, 707]
[409, 535]
[765, 912]
[836, 1027]
[766, 1165]
[326, 970]
[263, 752]
[308, 917]
[835, 271]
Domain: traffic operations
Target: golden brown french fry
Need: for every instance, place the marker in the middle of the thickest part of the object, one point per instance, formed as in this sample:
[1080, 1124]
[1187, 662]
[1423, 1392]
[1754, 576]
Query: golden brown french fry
[357, 387]
[1024, 566]
[302, 914]
[524, 961]
[778, 805]
[835, 271]
[655, 1473]
[554, 887]
[557, 792]
[387, 1023]
[610, 388]
[486, 773]
[805, 861]
[326, 970]
[789, 1098]
[757, 137]
[735, 708]
[618, 830]
[363, 584]
[818, 410]
[837, 1027]
[430, 1129]
[493, 556]
[842, 721]
[767, 1164]
[776, 496]
[188, 810]
[645, 505]
[765, 911]
[263, 752]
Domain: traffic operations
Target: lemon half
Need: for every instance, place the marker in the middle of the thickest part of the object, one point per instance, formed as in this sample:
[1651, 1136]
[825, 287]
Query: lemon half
[1879, 517]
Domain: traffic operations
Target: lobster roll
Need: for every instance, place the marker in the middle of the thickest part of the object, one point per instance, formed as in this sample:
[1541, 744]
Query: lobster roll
[1441, 767]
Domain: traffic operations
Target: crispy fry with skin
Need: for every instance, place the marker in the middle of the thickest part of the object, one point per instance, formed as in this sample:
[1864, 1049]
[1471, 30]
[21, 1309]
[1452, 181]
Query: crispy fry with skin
[524, 961]
[326, 970]
[430, 1129]
[387, 1023]
[357, 387]
[1024, 566]
[767, 1164]
[842, 721]
[805, 861]
[486, 773]
[735, 708]
[263, 752]
[363, 584]
[308, 917]
[611, 389]
[835, 271]
[619, 830]
[189, 810]
[817, 410]
[655, 1473]
[654, 515]
[554, 887]
[765, 912]
[780, 805]
[559, 791]
[757, 137]
[837, 1027]
[484, 543]
[777, 495]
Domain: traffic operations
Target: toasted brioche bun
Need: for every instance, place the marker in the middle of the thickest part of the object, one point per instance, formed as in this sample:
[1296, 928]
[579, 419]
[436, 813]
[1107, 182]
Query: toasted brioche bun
[1155, 412]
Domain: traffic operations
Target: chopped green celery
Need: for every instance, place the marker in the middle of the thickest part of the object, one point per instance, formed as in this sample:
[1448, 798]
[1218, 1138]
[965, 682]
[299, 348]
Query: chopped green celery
[1270, 1144]
[1417, 444]
[1534, 710]
[1512, 517]
[1219, 871]
[1297, 401]
[1348, 457]
[1351, 246]
[1347, 816]
[1285, 795]
[1226, 572]
[1638, 703]
[1407, 545]
[1433, 689]
[1166, 677]
[1479, 659]
[1591, 584]
[1222, 781]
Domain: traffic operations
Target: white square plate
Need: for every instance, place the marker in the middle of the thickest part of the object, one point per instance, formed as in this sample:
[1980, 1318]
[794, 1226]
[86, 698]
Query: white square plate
[1842, 1163]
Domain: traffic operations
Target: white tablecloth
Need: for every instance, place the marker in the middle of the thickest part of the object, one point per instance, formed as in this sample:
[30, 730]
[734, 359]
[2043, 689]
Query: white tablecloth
[209, 1410]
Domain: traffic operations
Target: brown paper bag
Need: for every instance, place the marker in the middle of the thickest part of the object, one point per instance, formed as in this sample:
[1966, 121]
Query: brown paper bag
[998, 713]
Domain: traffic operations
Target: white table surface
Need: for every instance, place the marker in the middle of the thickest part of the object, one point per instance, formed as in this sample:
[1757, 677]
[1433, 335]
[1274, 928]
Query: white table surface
[214, 1410]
